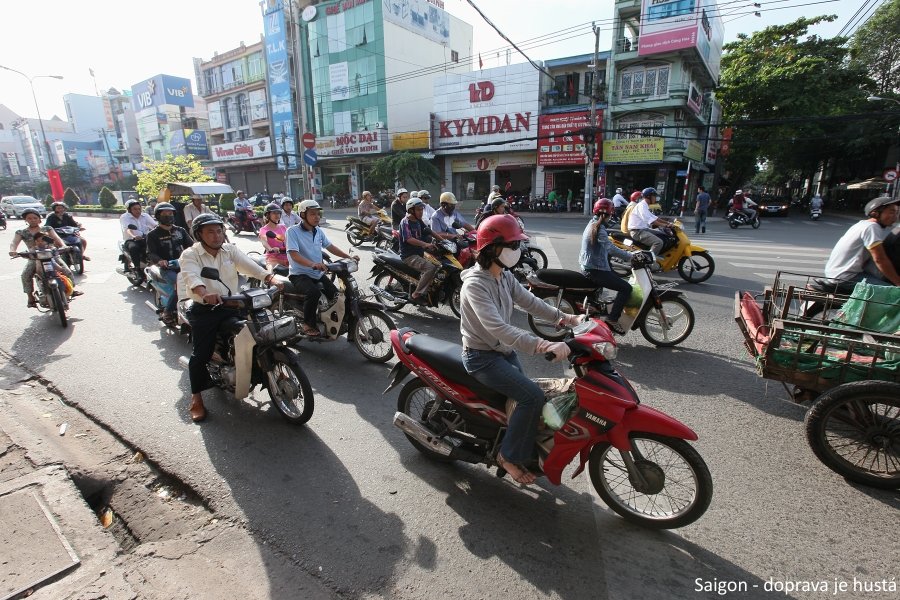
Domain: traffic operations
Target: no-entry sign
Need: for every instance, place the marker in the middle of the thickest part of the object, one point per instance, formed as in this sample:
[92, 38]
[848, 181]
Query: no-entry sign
[308, 140]
[889, 175]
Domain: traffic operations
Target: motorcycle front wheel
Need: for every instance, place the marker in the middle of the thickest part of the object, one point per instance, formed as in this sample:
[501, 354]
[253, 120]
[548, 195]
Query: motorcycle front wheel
[416, 401]
[398, 289]
[669, 324]
[676, 489]
[539, 257]
[290, 391]
[373, 335]
[733, 224]
[546, 329]
[854, 429]
[59, 305]
[696, 268]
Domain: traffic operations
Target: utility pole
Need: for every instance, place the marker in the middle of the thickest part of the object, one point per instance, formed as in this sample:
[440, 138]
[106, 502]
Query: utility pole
[590, 142]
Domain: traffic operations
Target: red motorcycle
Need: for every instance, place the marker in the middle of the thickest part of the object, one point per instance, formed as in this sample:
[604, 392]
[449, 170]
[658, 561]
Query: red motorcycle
[637, 457]
[250, 223]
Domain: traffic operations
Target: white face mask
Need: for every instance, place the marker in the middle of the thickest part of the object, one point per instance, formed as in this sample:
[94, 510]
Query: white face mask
[509, 257]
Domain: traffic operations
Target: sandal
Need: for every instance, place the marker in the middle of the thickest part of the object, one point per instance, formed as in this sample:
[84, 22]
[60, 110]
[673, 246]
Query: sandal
[76, 293]
[614, 325]
[32, 303]
[310, 331]
[519, 473]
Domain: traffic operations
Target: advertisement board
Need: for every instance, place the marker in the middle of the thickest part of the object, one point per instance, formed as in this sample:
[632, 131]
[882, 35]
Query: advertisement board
[713, 144]
[279, 82]
[245, 150]
[339, 81]
[13, 164]
[195, 143]
[693, 151]
[668, 25]
[633, 151]
[160, 90]
[412, 140]
[425, 17]
[499, 106]
[557, 143]
[350, 144]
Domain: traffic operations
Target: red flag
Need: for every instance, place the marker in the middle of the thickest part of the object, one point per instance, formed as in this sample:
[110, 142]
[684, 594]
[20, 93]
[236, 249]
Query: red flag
[56, 186]
[725, 148]
[480, 62]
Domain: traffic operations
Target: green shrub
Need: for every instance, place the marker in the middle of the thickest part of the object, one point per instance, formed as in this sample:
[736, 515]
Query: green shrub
[97, 209]
[226, 202]
[48, 200]
[71, 198]
[107, 198]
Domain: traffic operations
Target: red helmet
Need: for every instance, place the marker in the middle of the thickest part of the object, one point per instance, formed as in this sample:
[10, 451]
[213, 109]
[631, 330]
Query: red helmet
[498, 229]
[604, 206]
[636, 197]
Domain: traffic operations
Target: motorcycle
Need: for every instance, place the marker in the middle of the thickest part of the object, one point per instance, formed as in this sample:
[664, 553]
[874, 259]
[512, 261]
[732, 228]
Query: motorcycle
[638, 458]
[253, 351]
[367, 326]
[2, 220]
[737, 218]
[250, 223]
[378, 233]
[161, 287]
[694, 263]
[72, 237]
[395, 281]
[131, 271]
[52, 289]
[663, 315]
[815, 213]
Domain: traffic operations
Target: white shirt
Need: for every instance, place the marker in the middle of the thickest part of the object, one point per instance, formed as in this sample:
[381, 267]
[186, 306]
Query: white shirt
[850, 253]
[191, 212]
[290, 219]
[428, 212]
[619, 201]
[641, 217]
[241, 204]
[228, 260]
[144, 223]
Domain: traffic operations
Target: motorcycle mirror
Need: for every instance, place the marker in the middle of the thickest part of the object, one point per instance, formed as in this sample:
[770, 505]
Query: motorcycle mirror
[457, 225]
[209, 273]
[271, 235]
[133, 227]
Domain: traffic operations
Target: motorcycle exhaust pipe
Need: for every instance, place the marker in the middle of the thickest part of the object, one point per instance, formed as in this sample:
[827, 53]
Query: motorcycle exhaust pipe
[384, 294]
[184, 361]
[416, 431]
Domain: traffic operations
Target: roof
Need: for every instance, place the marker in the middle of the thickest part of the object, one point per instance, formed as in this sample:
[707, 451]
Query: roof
[186, 188]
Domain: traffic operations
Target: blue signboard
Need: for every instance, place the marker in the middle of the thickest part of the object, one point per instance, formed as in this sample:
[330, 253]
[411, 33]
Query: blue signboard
[162, 89]
[310, 157]
[195, 143]
[279, 73]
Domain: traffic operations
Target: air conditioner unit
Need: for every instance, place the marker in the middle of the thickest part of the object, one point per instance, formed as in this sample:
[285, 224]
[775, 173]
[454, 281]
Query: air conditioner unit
[379, 124]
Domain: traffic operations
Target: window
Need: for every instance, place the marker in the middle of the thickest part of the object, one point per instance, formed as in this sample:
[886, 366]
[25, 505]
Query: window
[243, 110]
[454, 56]
[255, 67]
[337, 33]
[228, 113]
[343, 122]
[652, 81]
[640, 128]
[209, 76]
[566, 88]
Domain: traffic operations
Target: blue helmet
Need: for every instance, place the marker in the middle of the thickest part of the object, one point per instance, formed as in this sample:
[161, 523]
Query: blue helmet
[649, 192]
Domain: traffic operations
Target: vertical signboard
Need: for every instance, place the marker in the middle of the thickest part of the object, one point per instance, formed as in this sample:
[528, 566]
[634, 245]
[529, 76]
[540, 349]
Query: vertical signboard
[668, 25]
[279, 74]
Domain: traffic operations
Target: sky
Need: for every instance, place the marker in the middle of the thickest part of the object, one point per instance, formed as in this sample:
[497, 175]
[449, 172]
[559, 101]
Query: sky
[128, 42]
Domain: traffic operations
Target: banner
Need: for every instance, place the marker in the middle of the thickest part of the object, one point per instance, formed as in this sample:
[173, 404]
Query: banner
[633, 151]
[427, 18]
[13, 161]
[279, 75]
[56, 186]
[555, 148]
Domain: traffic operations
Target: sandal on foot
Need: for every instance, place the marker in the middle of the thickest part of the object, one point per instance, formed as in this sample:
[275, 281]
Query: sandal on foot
[77, 293]
[519, 473]
[616, 328]
[32, 304]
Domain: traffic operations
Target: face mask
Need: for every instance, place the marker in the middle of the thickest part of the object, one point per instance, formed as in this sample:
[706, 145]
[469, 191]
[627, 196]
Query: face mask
[166, 219]
[509, 257]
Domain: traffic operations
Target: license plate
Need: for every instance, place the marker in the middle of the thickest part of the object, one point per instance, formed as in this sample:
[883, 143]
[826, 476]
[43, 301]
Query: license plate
[48, 267]
[772, 209]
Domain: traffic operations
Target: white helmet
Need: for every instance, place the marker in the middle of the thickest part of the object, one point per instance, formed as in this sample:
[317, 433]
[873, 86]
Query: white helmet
[448, 198]
[402, 191]
[618, 190]
[412, 203]
[307, 204]
[414, 194]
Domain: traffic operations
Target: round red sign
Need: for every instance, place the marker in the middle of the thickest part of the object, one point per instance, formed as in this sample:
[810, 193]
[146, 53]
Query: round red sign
[308, 140]
[482, 164]
[890, 175]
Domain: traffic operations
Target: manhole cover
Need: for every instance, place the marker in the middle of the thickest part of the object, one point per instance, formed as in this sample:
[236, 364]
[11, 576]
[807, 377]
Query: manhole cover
[34, 548]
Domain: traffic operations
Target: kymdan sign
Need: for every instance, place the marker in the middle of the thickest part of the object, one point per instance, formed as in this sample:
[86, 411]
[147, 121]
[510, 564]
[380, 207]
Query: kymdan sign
[255, 148]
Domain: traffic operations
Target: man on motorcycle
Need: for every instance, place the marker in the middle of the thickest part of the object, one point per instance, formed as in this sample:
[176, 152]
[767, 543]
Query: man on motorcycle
[864, 242]
[205, 316]
[367, 209]
[241, 208]
[442, 223]
[60, 218]
[398, 208]
[34, 235]
[626, 216]
[425, 196]
[288, 217]
[816, 203]
[497, 207]
[642, 222]
[488, 295]
[192, 210]
[164, 243]
[594, 260]
[304, 245]
[136, 238]
[619, 202]
[414, 241]
[742, 204]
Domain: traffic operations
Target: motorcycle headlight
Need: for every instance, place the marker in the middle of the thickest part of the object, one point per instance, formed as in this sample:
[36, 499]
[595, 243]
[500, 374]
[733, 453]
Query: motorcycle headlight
[261, 300]
[352, 266]
[43, 254]
[607, 350]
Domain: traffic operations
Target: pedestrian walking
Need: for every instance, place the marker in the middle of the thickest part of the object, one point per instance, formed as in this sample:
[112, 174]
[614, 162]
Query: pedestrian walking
[701, 208]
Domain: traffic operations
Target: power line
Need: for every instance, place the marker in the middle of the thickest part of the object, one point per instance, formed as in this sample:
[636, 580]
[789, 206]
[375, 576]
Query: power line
[850, 21]
[865, 17]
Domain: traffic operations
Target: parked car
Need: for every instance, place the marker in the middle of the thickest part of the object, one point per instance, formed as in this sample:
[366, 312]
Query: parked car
[774, 206]
[14, 205]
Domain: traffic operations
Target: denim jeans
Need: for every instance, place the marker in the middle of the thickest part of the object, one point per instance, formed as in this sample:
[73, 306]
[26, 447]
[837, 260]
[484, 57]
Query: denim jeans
[172, 278]
[504, 373]
[701, 221]
[609, 280]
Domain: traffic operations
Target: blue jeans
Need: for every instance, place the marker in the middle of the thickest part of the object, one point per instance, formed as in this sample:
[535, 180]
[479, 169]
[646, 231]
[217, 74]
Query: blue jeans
[701, 221]
[504, 374]
[171, 277]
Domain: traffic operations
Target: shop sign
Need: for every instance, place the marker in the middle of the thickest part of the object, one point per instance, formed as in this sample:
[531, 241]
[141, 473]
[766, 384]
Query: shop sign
[633, 151]
[349, 144]
[484, 162]
[694, 151]
[412, 140]
[509, 160]
[428, 19]
[279, 81]
[557, 143]
[338, 7]
[484, 125]
[247, 149]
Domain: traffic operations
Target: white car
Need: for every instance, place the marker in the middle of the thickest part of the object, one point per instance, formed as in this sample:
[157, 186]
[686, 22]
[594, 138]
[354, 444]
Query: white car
[14, 205]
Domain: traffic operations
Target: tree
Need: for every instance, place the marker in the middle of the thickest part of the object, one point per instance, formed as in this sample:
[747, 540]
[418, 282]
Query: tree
[409, 168]
[791, 90]
[171, 168]
[71, 198]
[48, 200]
[875, 47]
[73, 176]
[107, 198]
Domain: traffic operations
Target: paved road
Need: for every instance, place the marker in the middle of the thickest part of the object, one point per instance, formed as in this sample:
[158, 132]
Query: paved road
[351, 501]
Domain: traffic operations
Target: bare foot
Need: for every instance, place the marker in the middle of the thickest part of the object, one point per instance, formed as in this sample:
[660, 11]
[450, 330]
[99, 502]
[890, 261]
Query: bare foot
[517, 472]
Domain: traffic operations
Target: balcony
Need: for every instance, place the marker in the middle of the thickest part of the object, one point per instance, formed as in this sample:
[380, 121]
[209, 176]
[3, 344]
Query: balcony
[627, 45]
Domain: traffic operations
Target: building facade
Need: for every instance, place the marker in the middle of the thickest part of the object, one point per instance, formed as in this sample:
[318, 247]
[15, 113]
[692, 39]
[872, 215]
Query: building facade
[12, 157]
[662, 73]
[118, 112]
[168, 119]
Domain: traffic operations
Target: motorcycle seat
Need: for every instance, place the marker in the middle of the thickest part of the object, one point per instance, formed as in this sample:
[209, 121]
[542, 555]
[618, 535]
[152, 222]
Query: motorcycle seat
[832, 286]
[566, 278]
[618, 235]
[446, 359]
[397, 263]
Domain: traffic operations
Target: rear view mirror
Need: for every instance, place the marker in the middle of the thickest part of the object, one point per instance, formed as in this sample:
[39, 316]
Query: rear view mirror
[209, 273]
[271, 235]
[132, 226]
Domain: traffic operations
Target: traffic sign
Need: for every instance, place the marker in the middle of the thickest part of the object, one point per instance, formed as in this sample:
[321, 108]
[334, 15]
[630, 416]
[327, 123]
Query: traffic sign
[890, 175]
[310, 157]
[308, 140]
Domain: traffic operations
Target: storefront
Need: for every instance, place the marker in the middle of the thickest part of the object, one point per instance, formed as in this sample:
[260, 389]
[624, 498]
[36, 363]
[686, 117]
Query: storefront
[473, 175]
[248, 165]
[561, 155]
[343, 162]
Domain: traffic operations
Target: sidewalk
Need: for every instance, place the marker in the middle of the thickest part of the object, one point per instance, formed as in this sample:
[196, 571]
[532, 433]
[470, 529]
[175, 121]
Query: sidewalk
[84, 516]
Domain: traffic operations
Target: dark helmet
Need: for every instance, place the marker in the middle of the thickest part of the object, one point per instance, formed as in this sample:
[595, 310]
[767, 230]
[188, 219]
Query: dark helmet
[161, 207]
[58, 203]
[604, 206]
[647, 192]
[636, 197]
[202, 220]
[271, 208]
[30, 211]
[498, 229]
[878, 203]
[131, 203]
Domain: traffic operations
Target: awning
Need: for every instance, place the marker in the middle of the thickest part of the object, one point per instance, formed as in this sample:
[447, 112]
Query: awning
[875, 183]
[181, 188]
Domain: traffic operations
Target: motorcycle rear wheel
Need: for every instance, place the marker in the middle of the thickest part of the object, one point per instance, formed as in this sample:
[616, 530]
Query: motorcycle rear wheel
[680, 485]
[396, 288]
[696, 268]
[375, 326]
[415, 401]
[670, 325]
[540, 257]
[854, 429]
[59, 305]
[455, 301]
[290, 391]
[545, 329]
[353, 236]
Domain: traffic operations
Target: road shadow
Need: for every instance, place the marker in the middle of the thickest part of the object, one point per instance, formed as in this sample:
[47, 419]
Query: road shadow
[37, 344]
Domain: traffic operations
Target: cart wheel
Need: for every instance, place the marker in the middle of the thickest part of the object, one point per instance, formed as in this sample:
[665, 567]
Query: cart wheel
[855, 430]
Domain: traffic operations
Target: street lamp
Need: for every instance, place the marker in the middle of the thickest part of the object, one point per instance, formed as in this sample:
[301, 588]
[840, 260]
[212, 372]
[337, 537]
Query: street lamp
[896, 190]
[34, 96]
[879, 99]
